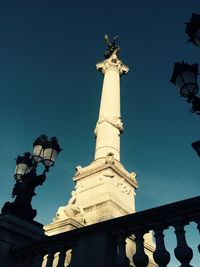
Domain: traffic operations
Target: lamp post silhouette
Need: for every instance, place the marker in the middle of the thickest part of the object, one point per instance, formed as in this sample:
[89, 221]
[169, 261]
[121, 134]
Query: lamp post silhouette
[45, 151]
[184, 75]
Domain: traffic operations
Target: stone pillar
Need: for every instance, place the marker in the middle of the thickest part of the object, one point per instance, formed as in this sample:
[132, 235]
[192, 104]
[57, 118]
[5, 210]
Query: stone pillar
[94, 249]
[15, 232]
[109, 125]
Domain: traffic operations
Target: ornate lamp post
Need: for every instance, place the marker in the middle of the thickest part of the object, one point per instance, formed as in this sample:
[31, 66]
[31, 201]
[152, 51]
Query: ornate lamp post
[45, 151]
[184, 77]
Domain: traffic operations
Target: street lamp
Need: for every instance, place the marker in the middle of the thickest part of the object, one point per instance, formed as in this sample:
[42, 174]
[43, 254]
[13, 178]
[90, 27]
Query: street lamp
[193, 29]
[45, 151]
[184, 77]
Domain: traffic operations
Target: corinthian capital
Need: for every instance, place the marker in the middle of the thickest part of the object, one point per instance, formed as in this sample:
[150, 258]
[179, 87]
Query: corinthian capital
[112, 63]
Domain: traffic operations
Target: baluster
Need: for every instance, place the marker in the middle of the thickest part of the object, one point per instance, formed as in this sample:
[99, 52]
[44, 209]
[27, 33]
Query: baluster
[197, 220]
[50, 258]
[62, 256]
[182, 252]
[68, 257]
[73, 255]
[121, 259]
[161, 255]
[140, 259]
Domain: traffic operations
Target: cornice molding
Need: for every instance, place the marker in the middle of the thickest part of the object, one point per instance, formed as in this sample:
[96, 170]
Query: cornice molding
[115, 166]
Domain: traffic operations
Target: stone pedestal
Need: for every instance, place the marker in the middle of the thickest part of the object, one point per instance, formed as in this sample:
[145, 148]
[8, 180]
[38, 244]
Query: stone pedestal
[104, 190]
[98, 247]
[16, 232]
[62, 226]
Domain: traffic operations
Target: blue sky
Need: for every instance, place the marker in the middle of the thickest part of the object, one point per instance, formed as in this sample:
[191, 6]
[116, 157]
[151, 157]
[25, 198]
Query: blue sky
[48, 83]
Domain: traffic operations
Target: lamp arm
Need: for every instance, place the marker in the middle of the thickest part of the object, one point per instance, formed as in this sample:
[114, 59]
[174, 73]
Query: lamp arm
[39, 179]
[46, 169]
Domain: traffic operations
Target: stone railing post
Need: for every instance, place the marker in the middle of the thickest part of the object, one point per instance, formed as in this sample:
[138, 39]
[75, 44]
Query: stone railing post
[121, 259]
[182, 252]
[50, 257]
[140, 259]
[161, 255]
[61, 256]
[73, 257]
[103, 244]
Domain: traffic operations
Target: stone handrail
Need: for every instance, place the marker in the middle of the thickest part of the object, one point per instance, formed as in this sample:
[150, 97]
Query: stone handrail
[103, 244]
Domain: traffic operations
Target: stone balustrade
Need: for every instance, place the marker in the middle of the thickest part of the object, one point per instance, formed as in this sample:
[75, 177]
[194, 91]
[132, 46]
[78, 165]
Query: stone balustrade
[104, 244]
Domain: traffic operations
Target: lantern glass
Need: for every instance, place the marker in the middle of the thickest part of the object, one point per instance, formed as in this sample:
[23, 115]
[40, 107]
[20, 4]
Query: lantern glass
[49, 157]
[38, 153]
[187, 83]
[20, 170]
[197, 37]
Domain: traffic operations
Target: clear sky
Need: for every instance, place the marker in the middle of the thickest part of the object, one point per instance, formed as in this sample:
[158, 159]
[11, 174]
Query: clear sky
[48, 84]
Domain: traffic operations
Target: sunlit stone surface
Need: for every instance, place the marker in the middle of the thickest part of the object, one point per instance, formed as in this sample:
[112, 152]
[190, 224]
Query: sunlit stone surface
[104, 189]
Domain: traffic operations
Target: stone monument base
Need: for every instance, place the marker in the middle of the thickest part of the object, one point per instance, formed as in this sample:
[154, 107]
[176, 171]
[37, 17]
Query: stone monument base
[62, 226]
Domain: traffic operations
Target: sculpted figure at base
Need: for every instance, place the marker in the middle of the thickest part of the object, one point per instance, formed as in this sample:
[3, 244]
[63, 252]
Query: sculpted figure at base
[71, 210]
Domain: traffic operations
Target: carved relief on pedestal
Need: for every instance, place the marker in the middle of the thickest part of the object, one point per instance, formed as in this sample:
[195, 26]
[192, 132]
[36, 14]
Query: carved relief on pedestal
[122, 185]
[109, 175]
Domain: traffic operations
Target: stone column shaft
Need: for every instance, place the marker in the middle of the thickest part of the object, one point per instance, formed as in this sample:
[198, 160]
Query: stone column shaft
[109, 125]
[110, 98]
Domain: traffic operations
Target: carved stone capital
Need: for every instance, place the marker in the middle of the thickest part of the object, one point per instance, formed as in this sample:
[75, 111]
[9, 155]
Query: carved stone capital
[112, 63]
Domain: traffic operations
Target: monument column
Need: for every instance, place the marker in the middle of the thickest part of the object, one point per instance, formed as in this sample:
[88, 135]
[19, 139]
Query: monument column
[104, 189]
[109, 125]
